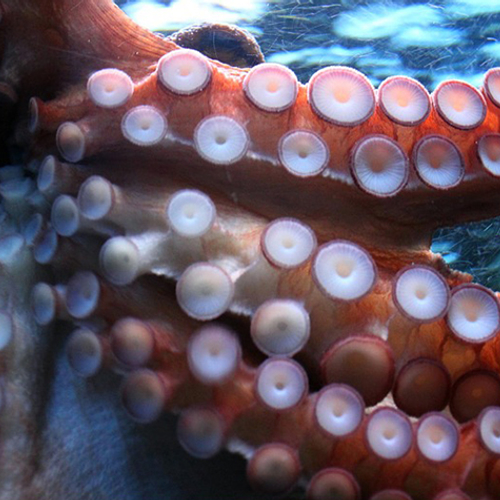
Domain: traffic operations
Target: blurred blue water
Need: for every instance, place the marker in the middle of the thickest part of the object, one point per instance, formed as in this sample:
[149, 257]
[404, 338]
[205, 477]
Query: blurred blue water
[429, 41]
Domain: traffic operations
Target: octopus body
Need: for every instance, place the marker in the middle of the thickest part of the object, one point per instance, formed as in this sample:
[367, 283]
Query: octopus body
[248, 253]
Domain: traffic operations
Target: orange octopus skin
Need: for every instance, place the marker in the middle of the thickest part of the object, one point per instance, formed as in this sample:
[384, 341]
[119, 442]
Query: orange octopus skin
[137, 308]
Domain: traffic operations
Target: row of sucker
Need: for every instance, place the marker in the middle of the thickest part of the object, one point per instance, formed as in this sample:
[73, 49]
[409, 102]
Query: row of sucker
[309, 356]
[341, 96]
[359, 369]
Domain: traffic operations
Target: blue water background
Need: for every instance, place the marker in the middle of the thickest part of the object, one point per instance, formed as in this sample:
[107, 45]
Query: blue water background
[432, 42]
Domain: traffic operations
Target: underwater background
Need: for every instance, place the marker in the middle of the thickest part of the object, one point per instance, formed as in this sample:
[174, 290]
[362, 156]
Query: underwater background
[429, 41]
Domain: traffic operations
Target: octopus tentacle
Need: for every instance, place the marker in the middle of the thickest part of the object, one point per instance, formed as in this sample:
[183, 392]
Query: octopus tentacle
[197, 225]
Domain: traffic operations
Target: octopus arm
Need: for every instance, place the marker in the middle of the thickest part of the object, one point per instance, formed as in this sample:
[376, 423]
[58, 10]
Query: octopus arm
[245, 251]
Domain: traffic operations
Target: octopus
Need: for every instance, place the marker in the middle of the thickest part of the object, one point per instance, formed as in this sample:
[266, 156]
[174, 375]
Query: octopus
[195, 240]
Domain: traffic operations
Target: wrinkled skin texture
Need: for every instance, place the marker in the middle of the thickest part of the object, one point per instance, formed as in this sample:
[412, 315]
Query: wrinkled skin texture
[64, 437]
